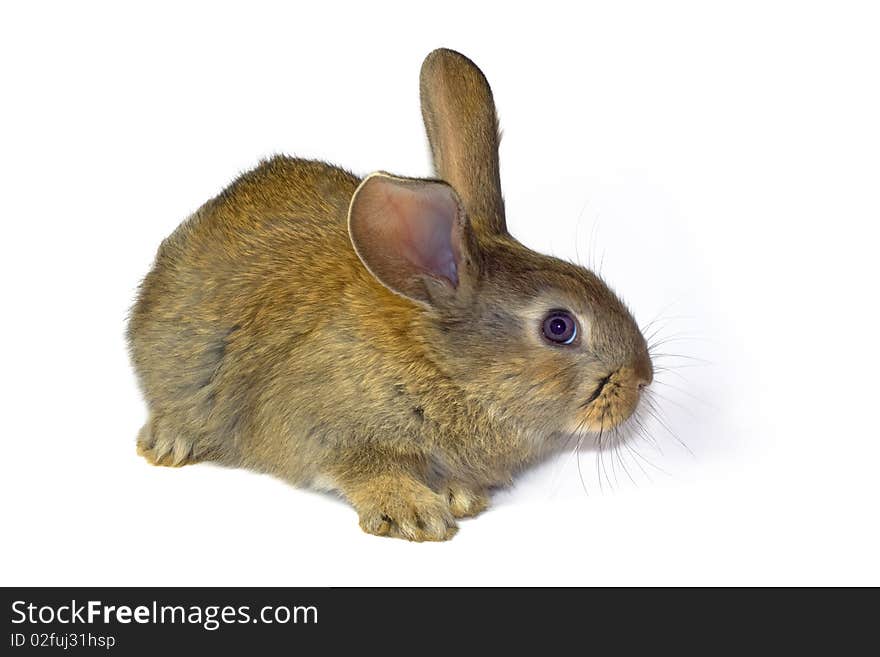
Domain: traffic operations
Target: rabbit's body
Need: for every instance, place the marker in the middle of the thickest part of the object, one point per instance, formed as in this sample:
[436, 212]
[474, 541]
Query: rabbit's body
[246, 367]
[406, 372]
[214, 313]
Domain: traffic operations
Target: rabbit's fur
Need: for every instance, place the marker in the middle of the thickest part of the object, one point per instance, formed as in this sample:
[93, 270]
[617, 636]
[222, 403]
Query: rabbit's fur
[380, 337]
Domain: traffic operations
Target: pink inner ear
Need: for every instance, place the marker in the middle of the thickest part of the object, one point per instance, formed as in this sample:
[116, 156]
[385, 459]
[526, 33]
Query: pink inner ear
[426, 230]
[405, 229]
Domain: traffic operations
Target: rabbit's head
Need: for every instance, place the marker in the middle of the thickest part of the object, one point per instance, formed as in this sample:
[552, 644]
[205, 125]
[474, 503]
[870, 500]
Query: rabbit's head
[542, 342]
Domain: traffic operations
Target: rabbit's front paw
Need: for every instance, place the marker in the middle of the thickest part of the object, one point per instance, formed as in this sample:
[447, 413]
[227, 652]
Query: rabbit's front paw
[465, 501]
[403, 508]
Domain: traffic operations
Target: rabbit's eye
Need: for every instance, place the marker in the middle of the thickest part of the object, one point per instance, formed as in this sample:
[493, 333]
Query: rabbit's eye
[560, 327]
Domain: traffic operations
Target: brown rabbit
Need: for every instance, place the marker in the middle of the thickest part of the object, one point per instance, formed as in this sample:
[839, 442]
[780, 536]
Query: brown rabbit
[385, 338]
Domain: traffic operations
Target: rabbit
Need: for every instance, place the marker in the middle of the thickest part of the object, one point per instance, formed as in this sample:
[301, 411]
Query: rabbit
[383, 338]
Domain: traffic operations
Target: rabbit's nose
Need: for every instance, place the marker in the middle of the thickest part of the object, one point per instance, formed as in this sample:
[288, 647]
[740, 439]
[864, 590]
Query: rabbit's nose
[644, 372]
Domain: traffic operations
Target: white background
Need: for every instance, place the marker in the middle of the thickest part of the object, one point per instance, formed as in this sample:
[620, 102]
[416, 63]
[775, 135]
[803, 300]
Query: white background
[720, 160]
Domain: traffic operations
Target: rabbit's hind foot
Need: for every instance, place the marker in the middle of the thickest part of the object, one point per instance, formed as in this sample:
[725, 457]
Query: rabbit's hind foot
[162, 447]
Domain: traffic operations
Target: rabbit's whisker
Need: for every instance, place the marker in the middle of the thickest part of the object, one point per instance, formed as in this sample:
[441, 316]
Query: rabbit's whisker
[657, 415]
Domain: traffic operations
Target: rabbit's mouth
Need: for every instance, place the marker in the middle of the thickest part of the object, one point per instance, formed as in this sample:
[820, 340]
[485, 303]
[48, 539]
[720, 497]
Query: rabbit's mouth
[613, 400]
[598, 391]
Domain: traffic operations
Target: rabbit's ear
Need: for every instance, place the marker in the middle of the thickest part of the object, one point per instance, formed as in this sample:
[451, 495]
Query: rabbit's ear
[462, 127]
[410, 234]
